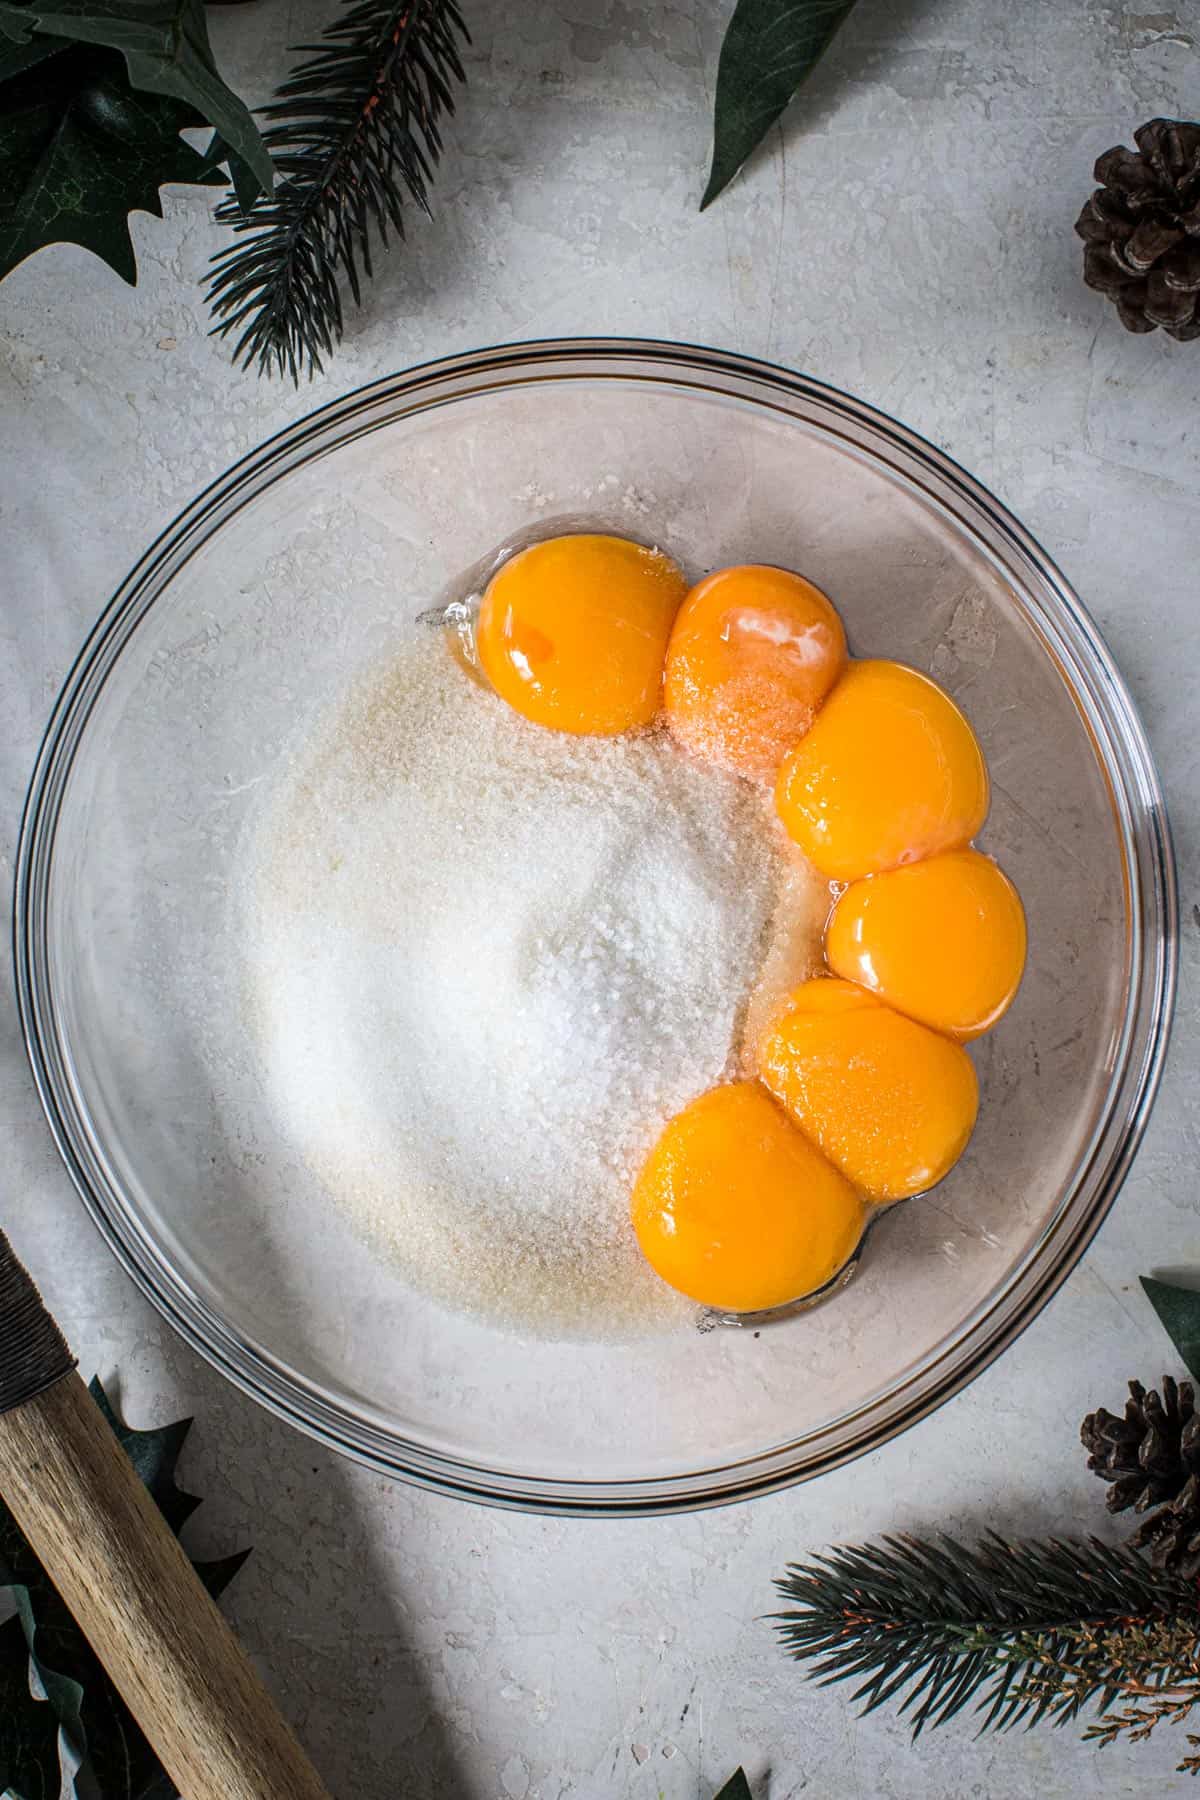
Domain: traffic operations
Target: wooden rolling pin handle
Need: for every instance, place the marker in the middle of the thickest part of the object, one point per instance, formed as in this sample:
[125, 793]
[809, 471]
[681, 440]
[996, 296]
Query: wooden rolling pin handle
[177, 1664]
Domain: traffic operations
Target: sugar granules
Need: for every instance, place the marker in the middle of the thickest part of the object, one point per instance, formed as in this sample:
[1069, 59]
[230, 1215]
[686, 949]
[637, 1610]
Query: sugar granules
[486, 962]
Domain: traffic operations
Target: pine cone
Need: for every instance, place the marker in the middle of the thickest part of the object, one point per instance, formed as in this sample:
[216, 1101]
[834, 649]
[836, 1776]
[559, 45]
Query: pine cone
[1151, 1458]
[1142, 229]
[1172, 1534]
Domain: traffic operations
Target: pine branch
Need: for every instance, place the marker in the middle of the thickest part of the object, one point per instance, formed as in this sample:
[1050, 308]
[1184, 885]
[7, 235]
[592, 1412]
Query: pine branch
[1158, 1671]
[351, 131]
[1027, 1630]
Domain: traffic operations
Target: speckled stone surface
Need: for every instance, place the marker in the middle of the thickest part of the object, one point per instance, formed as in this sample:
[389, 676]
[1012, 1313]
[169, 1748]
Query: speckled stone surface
[908, 237]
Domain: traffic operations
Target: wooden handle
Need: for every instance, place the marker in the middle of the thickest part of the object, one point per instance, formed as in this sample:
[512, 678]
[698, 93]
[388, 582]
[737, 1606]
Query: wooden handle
[109, 1552]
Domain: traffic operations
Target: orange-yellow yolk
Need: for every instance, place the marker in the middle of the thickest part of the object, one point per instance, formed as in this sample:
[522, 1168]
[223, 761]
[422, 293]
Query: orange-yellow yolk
[889, 1102]
[573, 632]
[753, 654]
[736, 1209]
[943, 941]
[889, 773]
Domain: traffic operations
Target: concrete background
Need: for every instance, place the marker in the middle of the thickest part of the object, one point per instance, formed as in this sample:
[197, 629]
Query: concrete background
[907, 236]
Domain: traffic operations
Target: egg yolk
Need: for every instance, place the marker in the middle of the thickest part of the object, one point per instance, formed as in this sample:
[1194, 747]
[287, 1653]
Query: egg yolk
[573, 632]
[891, 1103]
[943, 941]
[889, 773]
[753, 653]
[736, 1209]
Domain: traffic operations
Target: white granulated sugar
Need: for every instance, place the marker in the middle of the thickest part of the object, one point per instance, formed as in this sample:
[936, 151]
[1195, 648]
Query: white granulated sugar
[487, 962]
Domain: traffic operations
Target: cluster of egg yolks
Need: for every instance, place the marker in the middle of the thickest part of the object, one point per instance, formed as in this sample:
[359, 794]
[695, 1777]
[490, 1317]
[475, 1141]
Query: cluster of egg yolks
[753, 653]
[890, 773]
[573, 632]
[943, 941]
[736, 1209]
[755, 1194]
[888, 1101]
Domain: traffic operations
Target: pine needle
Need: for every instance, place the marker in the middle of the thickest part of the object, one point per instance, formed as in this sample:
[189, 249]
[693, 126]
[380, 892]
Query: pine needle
[1028, 1631]
[351, 132]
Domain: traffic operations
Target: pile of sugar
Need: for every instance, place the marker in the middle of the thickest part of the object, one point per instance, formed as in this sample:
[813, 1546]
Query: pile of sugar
[486, 963]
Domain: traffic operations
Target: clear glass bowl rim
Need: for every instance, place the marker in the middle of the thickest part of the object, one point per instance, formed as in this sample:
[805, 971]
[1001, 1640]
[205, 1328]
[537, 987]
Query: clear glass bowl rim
[1069, 636]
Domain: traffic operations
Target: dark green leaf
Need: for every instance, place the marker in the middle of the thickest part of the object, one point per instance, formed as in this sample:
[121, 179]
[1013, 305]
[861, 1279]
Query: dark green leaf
[28, 1729]
[154, 1455]
[43, 1657]
[54, 1694]
[1179, 1310]
[19, 1567]
[736, 1788]
[166, 50]
[769, 48]
[79, 151]
[49, 1633]
[245, 182]
[15, 58]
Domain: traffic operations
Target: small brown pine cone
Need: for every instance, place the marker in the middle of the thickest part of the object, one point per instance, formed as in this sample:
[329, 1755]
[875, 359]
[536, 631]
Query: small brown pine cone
[1151, 1459]
[1141, 229]
[1172, 1534]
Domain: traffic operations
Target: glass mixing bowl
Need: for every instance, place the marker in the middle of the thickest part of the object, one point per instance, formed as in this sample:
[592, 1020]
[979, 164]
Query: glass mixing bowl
[247, 621]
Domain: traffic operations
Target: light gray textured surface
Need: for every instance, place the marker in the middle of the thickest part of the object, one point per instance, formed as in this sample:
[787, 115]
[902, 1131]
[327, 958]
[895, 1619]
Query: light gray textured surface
[908, 238]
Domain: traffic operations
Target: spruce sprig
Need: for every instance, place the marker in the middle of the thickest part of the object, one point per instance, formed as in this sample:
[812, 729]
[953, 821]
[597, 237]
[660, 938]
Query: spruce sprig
[351, 132]
[1027, 1630]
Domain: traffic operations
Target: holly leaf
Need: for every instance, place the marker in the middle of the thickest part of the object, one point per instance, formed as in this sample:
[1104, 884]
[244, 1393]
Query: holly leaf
[1179, 1310]
[80, 150]
[166, 50]
[19, 1567]
[65, 1732]
[29, 1731]
[51, 1627]
[736, 1788]
[15, 58]
[154, 1454]
[769, 48]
